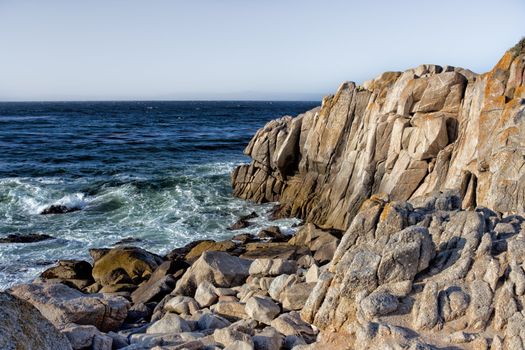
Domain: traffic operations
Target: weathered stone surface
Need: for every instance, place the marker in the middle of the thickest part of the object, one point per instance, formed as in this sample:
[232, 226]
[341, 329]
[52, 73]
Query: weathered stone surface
[405, 135]
[182, 305]
[87, 337]
[63, 305]
[125, 265]
[161, 282]
[170, 323]
[262, 309]
[22, 327]
[218, 268]
[206, 246]
[272, 267]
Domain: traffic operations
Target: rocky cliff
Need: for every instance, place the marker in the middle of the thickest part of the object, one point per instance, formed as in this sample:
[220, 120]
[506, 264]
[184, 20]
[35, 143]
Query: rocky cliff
[399, 136]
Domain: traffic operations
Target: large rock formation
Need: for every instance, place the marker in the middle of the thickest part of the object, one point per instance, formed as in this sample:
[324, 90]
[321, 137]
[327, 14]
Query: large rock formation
[24, 328]
[401, 135]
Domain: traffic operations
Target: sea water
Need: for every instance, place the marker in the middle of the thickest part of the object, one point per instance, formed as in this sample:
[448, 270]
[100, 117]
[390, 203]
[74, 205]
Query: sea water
[157, 173]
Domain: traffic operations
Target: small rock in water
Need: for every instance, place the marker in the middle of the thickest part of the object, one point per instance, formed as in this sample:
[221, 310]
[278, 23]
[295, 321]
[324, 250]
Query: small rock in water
[128, 240]
[243, 221]
[58, 209]
[29, 238]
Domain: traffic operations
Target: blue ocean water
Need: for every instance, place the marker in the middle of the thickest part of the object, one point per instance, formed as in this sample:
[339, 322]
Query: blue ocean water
[153, 171]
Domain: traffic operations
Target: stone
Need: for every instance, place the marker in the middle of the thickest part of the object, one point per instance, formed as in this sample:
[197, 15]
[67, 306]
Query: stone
[82, 337]
[205, 246]
[125, 264]
[272, 233]
[69, 269]
[273, 250]
[379, 304]
[240, 345]
[231, 310]
[279, 284]
[262, 309]
[210, 321]
[23, 327]
[218, 268]
[58, 209]
[291, 324]
[182, 305]
[268, 339]
[294, 297]
[170, 323]
[28, 238]
[272, 267]
[138, 312]
[312, 275]
[227, 336]
[206, 294]
[161, 282]
[63, 305]
[425, 312]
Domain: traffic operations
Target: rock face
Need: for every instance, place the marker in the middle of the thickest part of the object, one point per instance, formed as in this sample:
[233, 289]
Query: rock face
[62, 305]
[24, 328]
[401, 135]
[423, 171]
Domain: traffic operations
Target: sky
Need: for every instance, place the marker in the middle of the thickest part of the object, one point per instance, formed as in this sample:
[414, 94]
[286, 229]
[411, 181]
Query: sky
[237, 49]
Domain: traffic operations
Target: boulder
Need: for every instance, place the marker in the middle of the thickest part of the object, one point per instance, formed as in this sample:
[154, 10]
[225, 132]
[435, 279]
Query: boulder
[273, 250]
[206, 294]
[209, 321]
[170, 323]
[205, 246]
[268, 339]
[59, 209]
[24, 328]
[262, 309]
[69, 269]
[63, 305]
[182, 305]
[272, 267]
[87, 337]
[218, 268]
[291, 324]
[231, 310]
[161, 282]
[125, 265]
[25, 238]
[294, 297]
[227, 336]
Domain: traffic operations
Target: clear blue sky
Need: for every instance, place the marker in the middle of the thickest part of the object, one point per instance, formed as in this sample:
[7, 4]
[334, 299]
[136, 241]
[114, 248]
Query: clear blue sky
[226, 49]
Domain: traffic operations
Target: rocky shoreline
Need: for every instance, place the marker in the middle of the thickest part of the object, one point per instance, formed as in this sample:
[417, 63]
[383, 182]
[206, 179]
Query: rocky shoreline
[411, 190]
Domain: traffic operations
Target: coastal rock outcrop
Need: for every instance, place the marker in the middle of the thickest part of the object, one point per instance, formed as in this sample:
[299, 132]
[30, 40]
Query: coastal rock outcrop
[63, 305]
[401, 135]
[22, 327]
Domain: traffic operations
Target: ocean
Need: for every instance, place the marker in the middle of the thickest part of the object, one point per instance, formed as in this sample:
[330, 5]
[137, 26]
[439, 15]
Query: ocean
[157, 173]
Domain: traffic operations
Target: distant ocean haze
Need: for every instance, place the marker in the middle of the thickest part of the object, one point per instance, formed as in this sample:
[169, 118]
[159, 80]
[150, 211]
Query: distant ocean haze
[157, 172]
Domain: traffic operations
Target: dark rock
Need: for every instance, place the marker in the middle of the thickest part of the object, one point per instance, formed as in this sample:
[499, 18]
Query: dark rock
[29, 238]
[138, 312]
[161, 282]
[240, 224]
[180, 253]
[272, 233]
[274, 250]
[252, 215]
[128, 240]
[244, 238]
[59, 209]
[69, 269]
